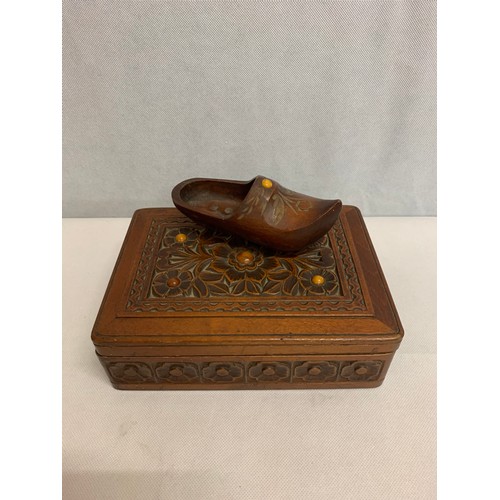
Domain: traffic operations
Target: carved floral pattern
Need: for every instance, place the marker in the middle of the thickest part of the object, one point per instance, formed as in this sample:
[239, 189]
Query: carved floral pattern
[242, 263]
[213, 266]
[316, 371]
[131, 372]
[223, 372]
[269, 371]
[207, 266]
[281, 200]
[172, 283]
[329, 284]
[180, 372]
[244, 268]
[361, 370]
[177, 372]
[172, 239]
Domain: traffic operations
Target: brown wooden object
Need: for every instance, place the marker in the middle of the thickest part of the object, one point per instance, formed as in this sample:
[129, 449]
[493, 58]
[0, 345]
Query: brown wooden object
[188, 307]
[260, 210]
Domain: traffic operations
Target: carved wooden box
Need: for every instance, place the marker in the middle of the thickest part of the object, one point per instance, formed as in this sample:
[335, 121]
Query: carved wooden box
[191, 308]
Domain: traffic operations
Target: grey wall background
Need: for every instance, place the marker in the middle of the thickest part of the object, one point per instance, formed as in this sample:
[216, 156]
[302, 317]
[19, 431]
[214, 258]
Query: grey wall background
[330, 98]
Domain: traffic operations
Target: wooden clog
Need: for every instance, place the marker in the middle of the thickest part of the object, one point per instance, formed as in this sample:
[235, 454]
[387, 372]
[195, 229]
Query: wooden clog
[260, 210]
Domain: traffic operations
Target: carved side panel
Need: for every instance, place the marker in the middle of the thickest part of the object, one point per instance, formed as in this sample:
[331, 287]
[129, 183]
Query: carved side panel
[254, 372]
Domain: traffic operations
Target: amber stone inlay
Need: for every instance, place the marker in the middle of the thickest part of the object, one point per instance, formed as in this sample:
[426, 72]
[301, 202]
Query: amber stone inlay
[245, 257]
[181, 238]
[267, 183]
[318, 279]
[173, 282]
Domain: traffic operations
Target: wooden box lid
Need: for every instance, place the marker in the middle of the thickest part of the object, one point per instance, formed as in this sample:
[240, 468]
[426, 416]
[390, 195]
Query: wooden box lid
[179, 289]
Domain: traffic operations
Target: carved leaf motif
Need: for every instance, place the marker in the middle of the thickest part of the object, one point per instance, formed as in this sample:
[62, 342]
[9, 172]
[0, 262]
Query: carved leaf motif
[199, 288]
[218, 288]
[272, 287]
[251, 287]
[278, 274]
[327, 258]
[209, 276]
[239, 288]
[250, 204]
[246, 286]
[296, 289]
[184, 258]
[278, 209]
[289, 285]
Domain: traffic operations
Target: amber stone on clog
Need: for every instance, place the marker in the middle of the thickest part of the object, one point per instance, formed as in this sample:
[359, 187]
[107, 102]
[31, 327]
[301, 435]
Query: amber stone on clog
[260, 210]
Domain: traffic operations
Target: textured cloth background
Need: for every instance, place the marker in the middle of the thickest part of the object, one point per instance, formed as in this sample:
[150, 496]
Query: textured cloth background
[330, 98]
[376, 444]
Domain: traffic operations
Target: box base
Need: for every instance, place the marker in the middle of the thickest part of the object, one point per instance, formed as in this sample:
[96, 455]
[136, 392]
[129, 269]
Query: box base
[158, 373]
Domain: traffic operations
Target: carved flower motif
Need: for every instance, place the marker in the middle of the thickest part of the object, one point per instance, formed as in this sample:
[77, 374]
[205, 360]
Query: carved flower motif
[319, 281]
[130, 372]
[361, 370]
[172, 283]
[316, 371]
[268, 372]
[243, 267]
[223, 372]
[174, 238]
[177, 372]
[180, 236]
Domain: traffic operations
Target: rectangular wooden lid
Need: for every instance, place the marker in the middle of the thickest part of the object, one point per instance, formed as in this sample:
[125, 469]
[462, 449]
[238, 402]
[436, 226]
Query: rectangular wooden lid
[179, 284]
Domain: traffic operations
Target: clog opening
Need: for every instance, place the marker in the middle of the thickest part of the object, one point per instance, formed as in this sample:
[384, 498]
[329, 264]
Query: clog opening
[215, 198]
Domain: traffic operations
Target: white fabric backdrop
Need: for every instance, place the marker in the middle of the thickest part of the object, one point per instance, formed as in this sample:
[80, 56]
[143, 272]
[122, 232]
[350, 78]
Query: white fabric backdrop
[256, 445]
[332, 98]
